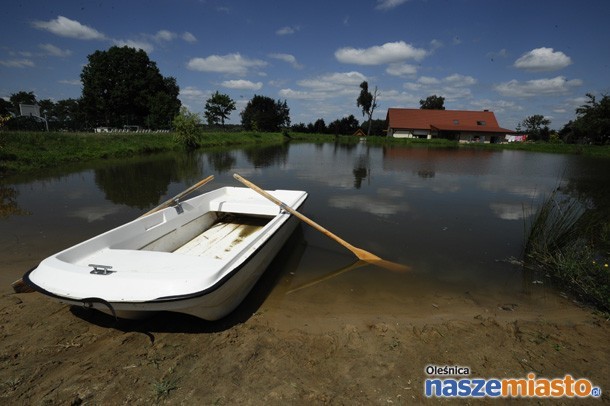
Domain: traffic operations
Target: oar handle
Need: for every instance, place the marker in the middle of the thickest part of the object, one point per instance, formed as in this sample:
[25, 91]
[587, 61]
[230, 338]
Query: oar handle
[360, 253]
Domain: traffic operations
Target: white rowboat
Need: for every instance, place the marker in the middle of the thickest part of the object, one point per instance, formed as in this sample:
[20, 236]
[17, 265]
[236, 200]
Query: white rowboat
[201, 257]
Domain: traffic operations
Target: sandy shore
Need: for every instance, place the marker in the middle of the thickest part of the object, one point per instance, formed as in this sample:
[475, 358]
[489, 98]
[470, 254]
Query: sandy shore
[291, 348]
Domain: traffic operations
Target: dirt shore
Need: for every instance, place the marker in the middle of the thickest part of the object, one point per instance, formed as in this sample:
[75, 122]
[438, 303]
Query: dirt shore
[291, 348]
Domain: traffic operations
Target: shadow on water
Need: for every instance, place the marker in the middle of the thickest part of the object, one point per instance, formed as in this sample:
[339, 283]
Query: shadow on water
[140, 184]
[167, 322]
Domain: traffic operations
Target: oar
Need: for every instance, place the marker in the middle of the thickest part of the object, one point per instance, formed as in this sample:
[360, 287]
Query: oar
[179, 196]
[358, 252]
[358, 264]
[19, 286]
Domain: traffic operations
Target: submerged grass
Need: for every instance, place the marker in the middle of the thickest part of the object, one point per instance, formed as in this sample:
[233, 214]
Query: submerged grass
[568, 242]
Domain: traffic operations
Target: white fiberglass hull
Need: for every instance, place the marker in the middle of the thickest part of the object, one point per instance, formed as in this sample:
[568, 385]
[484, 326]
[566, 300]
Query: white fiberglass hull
[200, 260]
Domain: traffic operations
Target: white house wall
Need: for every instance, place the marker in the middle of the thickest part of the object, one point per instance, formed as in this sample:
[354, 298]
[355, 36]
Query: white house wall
[410, 133]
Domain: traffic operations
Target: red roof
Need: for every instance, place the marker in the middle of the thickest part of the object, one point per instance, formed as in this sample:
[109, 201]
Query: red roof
[445, 120]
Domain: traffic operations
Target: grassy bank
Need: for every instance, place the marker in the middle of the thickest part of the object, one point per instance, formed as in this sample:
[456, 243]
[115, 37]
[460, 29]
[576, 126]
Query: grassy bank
[28, 151]
[569, 243]
[549, 147]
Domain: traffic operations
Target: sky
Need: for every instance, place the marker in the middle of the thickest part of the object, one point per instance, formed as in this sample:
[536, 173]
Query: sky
[516, 58]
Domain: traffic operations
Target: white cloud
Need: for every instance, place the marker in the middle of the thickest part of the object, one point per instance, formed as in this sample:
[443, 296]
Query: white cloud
[326, 86]
[300, 94]
[397, 98]
[543, 59]
[165, 35]
[17, 63]
[435, 44]
[460, 80]
[503, 53]
[538, 87]
[73, 82]
[287, 30]
[453, 87]
[55, 51]
[288, 59]
[242, 84]
[230, 64]
[497, 106]
[401, 69]
[390, 52]
[188, 37]
[427, 80]
[389, 4]
[190, 92]
[64, 27]
[335, 81]
[143, 45]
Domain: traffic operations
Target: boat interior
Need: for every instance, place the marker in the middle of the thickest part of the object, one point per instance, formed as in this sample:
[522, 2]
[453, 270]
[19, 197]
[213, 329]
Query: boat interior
[213, 235]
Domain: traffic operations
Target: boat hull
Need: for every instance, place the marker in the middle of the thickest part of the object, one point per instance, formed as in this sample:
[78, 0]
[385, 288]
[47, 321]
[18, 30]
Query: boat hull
[208, 282]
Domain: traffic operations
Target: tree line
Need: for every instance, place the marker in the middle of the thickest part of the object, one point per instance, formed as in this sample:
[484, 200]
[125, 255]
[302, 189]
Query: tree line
[591, 125]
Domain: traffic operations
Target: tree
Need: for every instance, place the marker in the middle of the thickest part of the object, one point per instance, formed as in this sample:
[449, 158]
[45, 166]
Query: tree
[367, 101]
[264, 114]
[123, 86]
[536, 127]
[433, 102]
[68, 114]
[6, 107]
[164, 105]
[345, 126]
[218, 108]
[47, 108]
[593, 119]
[319, 127]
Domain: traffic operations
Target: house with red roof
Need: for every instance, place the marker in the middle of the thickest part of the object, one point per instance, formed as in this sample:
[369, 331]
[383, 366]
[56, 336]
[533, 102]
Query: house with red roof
[458, 125]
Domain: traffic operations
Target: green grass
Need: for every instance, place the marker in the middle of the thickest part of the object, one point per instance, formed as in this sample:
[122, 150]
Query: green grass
[29, 151]
[569, 243]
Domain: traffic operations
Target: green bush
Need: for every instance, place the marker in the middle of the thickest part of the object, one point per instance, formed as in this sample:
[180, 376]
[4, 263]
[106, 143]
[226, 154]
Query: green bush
[186, 130]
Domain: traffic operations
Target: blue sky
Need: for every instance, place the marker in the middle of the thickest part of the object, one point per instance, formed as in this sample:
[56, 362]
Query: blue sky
[516, 58]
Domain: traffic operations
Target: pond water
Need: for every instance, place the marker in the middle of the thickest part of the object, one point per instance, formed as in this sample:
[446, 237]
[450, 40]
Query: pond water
[456, 216]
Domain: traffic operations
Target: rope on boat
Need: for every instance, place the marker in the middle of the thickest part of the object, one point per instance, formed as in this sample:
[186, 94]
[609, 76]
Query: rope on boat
[88, 303]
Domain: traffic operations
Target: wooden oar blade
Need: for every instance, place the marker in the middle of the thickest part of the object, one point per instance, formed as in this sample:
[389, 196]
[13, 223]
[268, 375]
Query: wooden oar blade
[389, 265]
[375, 260]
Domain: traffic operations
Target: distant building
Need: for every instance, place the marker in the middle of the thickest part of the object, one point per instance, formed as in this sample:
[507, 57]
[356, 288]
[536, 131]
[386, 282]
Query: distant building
[458, 125]
[359, 133]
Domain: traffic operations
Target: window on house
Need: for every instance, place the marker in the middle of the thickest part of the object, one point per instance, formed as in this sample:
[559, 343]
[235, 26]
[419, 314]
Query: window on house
[480, 122]
[456, 122]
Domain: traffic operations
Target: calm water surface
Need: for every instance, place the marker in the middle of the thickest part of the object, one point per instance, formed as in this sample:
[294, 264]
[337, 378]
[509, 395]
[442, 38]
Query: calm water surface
[457, 217]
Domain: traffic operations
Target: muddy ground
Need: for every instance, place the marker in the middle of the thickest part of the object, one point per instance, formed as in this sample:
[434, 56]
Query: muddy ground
[315, 346]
